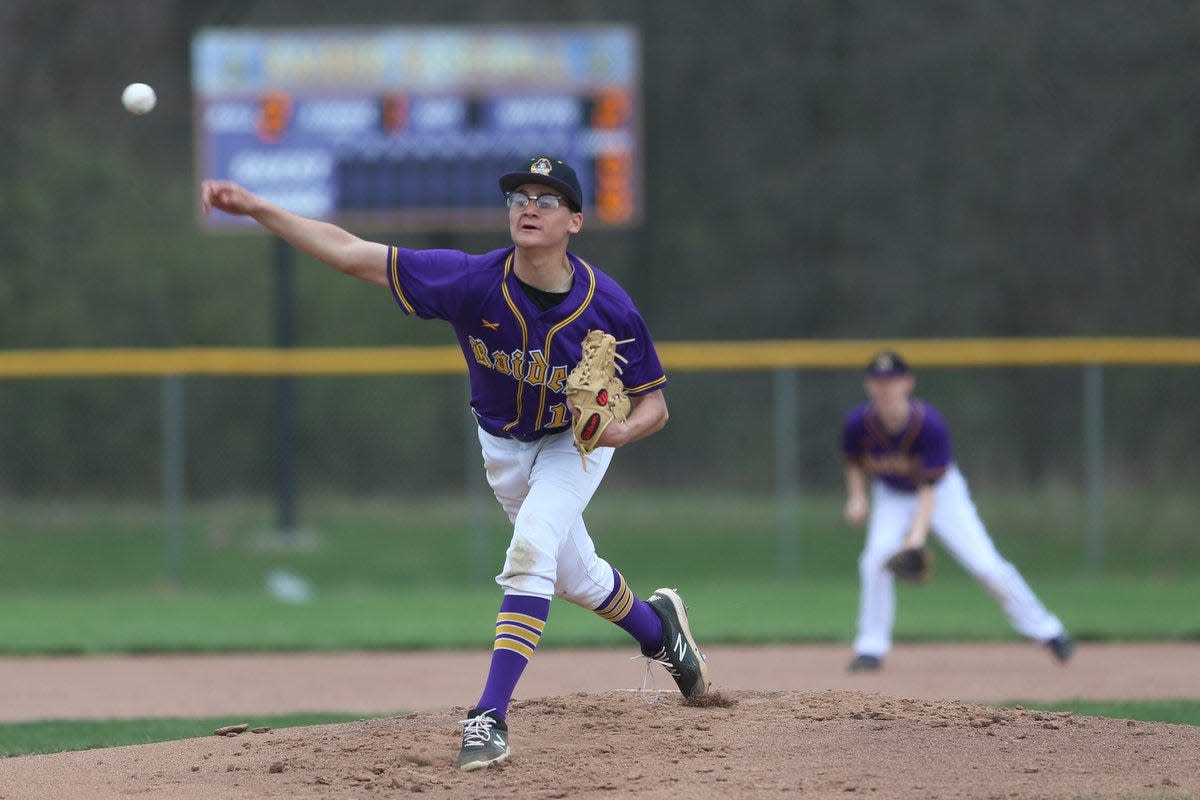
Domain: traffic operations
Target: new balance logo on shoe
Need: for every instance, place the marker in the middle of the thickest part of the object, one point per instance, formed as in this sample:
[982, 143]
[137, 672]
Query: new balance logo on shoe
[681, 648]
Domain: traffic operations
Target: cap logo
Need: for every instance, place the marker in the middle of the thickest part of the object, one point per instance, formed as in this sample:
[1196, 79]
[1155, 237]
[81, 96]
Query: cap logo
[884, 363]
[541, 166]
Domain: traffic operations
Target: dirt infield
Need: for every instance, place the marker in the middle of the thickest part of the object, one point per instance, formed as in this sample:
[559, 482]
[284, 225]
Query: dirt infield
[788, 720]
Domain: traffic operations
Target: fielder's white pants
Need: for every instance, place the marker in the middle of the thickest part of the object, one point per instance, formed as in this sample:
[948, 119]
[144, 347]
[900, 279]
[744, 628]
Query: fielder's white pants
[957, 526]
[544, 489]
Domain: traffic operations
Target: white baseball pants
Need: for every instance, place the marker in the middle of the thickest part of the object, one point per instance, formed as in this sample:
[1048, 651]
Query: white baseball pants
[544, 489]
[957, 526]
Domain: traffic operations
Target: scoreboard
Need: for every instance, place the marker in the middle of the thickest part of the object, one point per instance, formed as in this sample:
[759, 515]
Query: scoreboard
[409, 128]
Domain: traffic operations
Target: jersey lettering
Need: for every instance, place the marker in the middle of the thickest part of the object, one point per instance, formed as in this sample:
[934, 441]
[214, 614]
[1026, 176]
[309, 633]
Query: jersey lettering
[558, 380]
[516, 364]
[896, 464]
[531, 367]
[536, 374]
[479, 351]
[501, 362]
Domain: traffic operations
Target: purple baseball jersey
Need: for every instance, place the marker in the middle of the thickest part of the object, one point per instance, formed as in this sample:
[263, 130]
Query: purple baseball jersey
[518, 356]
[915, 456]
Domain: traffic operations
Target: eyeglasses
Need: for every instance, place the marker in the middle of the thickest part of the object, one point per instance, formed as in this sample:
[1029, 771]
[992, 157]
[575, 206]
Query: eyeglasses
[520, 200]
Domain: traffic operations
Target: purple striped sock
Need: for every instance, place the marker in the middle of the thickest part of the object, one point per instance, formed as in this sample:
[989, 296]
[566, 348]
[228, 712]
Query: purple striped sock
[623, 608]
[519, 626]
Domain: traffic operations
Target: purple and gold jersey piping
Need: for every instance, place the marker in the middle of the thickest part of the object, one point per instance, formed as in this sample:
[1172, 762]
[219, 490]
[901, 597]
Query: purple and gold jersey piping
[547, 342]
[917, 455]
[507, 338]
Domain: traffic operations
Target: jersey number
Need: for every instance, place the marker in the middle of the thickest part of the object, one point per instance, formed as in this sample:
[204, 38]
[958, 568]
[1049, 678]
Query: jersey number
[558, 415]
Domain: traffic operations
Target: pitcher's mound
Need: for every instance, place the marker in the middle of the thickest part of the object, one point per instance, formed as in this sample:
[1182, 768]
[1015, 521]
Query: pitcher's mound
[750, 744]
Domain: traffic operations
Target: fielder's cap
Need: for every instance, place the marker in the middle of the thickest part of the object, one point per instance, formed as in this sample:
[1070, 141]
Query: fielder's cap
[548, 171]
[887, 363]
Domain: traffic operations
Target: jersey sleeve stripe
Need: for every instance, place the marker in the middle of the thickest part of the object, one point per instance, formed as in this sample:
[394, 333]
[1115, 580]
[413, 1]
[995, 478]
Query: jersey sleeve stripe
[394, 274]
[645, 387]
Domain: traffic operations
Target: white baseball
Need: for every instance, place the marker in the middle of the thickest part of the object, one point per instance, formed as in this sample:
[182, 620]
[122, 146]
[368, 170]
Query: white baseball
[138, 98]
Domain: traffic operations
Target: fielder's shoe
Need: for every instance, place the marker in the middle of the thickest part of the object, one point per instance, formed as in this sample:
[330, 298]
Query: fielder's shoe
[1062, 646]
[865, 663]
[679, 652]
[485, 741]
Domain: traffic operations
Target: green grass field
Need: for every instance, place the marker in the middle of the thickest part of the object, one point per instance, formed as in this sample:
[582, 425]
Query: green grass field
[97, 577]
[731, 611]
[56, 736]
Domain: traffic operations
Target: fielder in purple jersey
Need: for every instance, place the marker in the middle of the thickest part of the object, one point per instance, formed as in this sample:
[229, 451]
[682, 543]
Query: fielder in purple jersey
[902, 445]
[520, 315]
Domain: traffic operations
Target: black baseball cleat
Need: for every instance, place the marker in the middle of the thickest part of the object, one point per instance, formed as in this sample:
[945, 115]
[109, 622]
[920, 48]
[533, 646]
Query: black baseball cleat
[679, 652]
[485, 741]
[865, 663]
[1062, 646]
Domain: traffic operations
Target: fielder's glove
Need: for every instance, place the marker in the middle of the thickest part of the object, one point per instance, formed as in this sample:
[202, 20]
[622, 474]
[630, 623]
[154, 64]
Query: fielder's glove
[595, 391]
[914, 564]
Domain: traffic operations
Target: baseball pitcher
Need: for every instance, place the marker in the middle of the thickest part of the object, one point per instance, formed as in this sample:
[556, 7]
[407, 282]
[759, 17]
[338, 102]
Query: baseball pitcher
[563, 371]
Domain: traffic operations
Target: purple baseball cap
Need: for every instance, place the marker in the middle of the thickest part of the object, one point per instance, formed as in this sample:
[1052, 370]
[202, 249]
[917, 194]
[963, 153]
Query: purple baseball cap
[547, 171]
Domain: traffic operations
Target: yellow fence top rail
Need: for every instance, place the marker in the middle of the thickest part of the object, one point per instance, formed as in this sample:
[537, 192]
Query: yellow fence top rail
[747, 356]
[854, 353]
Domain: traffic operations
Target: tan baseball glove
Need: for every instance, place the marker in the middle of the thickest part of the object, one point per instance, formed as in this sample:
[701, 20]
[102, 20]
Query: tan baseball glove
[595, 391]
[914, 564]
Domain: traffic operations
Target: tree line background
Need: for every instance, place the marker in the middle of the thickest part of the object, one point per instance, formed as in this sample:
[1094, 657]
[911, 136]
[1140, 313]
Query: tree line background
[813, 169]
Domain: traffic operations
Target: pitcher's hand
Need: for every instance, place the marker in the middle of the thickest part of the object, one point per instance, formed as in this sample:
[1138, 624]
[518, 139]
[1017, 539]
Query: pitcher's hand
[227, 196]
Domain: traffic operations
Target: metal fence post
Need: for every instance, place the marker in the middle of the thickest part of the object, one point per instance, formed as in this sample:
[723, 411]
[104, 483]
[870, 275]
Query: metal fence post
[1093, 462]
[172, 478]
[285, 426]
[787, 474]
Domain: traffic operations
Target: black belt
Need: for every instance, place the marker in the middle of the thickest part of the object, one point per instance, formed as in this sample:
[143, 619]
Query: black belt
[526, 437]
